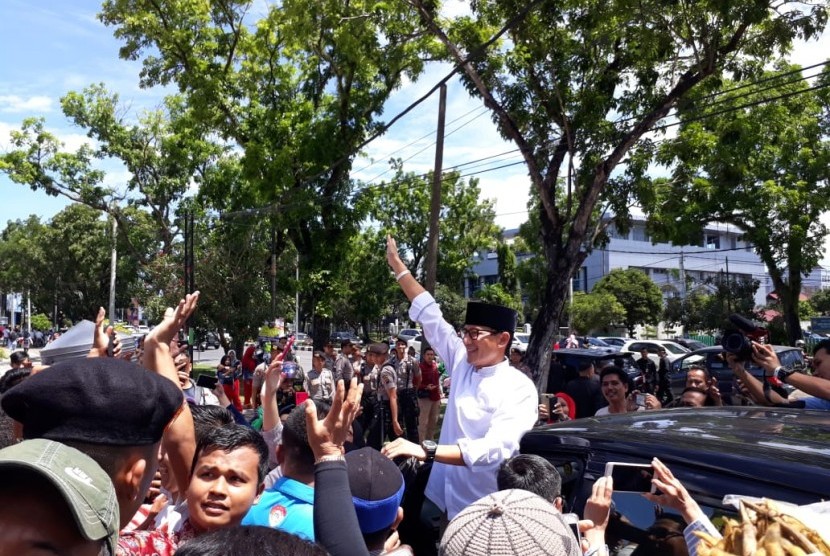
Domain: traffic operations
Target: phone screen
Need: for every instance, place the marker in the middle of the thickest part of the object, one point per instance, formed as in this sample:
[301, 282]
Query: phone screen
[630, 477]
[206, 381]
[573, 522]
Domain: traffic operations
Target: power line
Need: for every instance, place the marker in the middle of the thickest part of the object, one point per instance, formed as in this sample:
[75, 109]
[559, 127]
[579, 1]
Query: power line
[477, 52]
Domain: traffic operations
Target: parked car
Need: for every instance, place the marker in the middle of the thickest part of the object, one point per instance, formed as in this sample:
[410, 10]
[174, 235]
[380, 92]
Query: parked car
[712, 358]
[615, 340]
[408, 334]
[782, 454]
[521, 340]
[690, 344]
[418, 343]
[597, 343]
[673, 349]
[564, 365]
[343, 335]
[210, 340]
[302, 339]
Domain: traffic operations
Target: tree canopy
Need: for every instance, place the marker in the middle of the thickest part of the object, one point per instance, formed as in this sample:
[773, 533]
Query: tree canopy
[578, 87]
[636, 293]
[762, 166]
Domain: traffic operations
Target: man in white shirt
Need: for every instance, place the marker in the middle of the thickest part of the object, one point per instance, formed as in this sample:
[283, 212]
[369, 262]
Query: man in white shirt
[490, 406]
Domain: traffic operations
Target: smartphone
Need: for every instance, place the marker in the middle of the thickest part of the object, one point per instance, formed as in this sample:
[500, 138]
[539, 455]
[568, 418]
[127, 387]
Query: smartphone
[640, 400]
[300, 397]
[572, 520]
[630, 477]
[286, 349]
[111, 344]
[289, 369]
[207, 381]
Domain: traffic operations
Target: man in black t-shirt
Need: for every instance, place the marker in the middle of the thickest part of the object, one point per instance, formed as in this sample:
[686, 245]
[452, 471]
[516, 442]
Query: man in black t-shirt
[585, 390]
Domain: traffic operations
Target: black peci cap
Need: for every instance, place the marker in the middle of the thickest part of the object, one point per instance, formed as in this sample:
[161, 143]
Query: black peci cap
[497, 317]
[97, 400]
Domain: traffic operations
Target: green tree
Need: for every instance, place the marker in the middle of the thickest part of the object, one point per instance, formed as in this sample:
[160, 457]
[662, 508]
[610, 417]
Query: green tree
[821, 302]
[507, 268]
[297, 92]
[761, 166]
[579, 87]
[466, 223]
[595, 311]
[453, 305]
[163, 150]
[634, 290]
[41, 321]
[65, 262]
[495, 293]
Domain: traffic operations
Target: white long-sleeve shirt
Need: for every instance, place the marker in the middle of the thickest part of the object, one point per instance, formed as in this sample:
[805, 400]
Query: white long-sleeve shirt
[487, 412]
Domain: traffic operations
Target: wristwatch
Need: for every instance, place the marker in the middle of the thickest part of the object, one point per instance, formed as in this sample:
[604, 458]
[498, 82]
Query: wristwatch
[429, 447]
[782, 373]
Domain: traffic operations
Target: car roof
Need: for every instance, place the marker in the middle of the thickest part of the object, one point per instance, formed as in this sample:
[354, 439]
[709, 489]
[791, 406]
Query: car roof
[595, 353]
[719, 348]
[778, 445]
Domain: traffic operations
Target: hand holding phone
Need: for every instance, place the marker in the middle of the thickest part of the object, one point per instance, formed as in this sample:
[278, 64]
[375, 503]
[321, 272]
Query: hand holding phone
[207, 381]
[572, 520]
[630, 477]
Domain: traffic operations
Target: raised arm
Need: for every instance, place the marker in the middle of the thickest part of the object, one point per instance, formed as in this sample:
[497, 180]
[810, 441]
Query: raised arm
[180, 437]
[410, 286]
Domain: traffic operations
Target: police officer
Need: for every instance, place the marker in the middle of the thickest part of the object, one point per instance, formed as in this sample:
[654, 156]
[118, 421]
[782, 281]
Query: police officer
[408, 380]
[385, 422]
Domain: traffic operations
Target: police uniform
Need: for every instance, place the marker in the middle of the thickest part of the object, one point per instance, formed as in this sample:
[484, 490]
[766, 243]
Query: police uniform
[381, 426]
[408, 409]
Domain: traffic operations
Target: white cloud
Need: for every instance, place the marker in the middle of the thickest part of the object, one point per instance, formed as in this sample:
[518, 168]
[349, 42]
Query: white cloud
[16, 104]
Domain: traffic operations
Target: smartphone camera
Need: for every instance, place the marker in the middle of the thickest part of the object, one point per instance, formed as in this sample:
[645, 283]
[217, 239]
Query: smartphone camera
[640, 400]
[289, 369]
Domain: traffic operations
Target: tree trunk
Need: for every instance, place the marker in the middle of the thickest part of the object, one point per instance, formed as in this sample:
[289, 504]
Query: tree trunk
[321, 331]
[789, 298]
[546, 324]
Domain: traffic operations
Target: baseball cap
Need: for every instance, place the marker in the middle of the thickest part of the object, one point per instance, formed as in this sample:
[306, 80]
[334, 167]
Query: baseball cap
[377, 488]
[84, 486]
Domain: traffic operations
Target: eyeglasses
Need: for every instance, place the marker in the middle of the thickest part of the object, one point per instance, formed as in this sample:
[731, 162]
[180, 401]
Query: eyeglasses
[476, 333]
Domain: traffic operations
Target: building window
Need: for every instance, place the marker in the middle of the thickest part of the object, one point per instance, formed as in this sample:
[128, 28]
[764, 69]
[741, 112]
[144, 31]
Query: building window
[639, 233]
[614, 233]
[712, 241]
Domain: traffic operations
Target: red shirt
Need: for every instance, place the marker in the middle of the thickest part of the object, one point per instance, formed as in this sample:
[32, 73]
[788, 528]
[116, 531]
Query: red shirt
[430, 375]
[153, 543]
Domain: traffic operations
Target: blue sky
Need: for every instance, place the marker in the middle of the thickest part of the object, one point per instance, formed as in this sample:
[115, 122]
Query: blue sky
[50, 47]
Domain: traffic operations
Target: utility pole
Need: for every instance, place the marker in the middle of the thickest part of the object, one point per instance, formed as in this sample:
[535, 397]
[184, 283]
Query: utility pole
[682, 278]
[189, 279]
[728, 289]
[113, 266]
[297, 294]
[273, 274]
[435, 202]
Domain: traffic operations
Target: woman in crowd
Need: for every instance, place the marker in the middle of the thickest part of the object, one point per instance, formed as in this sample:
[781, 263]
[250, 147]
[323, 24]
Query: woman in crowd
[229, 371]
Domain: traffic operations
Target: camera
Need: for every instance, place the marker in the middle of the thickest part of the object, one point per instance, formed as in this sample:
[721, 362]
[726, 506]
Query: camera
[738, 340]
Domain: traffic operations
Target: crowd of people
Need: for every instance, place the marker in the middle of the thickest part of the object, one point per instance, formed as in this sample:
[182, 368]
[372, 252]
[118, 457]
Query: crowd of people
[129, 456]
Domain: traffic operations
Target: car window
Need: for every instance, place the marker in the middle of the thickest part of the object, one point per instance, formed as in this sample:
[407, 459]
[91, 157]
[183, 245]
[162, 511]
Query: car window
[675, 349]
[524, 338]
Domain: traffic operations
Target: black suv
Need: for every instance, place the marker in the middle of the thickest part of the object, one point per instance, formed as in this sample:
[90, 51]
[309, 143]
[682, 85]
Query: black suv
[712, 358]
[565, 366]
[337, 337]
[783, 454]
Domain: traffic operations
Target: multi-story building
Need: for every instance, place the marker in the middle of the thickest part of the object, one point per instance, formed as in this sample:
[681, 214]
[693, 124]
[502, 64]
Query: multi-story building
[721, 251]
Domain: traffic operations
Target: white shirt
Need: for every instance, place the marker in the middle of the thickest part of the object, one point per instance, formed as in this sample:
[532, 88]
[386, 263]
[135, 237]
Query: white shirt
[488, 411]
[604, 411]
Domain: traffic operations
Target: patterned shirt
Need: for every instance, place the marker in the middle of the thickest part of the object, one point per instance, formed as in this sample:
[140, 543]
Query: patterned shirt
[154, 543]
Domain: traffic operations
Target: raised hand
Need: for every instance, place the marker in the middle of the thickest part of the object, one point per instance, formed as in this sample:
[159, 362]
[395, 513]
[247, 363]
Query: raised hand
[174, 319]
[101, 338]
[326, 437]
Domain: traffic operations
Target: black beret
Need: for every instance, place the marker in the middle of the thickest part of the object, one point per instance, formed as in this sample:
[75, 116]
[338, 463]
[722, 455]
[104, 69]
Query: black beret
[497, 317]
[97, 400]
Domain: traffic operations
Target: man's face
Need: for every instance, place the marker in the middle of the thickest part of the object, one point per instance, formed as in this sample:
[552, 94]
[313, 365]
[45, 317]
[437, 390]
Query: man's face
[346, 350]
[429, 356]
[821, 364]
[515, 356]
[644, 353]
[697, 379]
[329, 349]
[317, 363]
[223, 488]
[482, 345]
[662, 353]
[614, 389]
[692, 399]
[37, 522]
[400, 348]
